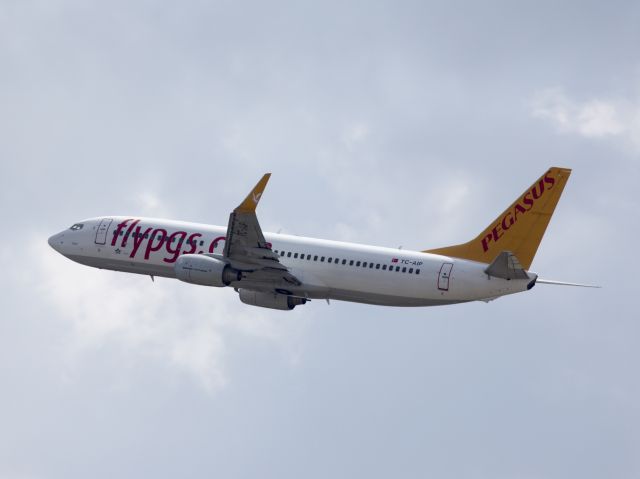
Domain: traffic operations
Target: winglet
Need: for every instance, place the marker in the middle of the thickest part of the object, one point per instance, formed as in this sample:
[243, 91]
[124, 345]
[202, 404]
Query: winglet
[251, 201]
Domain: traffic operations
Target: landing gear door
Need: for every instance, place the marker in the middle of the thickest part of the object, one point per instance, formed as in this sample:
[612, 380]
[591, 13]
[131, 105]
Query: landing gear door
[103, 228]
[444, 275]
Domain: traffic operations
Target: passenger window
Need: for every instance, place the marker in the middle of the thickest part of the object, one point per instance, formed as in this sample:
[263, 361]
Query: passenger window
[308, 257]
[322, 259]
[315, 258]
[404, 270]
[351, 263]
[370, 265]
[378, 266]
[358, 263]
[295, 255]
[384, 267]
[418, 271]
[201, 243]
[289, 254]
[364, 265]
[410, 270]
[344, 261]
[329, 260]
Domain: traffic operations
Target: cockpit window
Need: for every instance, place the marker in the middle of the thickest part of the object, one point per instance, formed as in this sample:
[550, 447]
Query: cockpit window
[76, 227]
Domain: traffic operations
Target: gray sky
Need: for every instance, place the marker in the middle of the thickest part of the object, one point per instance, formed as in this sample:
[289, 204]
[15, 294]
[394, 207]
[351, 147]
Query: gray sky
[391, 123]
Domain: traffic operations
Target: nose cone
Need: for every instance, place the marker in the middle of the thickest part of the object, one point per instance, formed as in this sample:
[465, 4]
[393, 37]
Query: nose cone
[56, 241]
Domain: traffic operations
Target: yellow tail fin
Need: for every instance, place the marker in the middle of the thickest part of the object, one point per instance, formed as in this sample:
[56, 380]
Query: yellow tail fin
[520, 227]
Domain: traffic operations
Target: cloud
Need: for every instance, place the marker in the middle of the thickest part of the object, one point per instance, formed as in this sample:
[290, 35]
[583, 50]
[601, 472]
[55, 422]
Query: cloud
[354, 134]
[150, 204]
[595, 118]
[182, 327]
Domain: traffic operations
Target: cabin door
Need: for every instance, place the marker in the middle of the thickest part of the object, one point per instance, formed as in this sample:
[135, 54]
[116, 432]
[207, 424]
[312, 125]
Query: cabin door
[444, 275]
[103, 228]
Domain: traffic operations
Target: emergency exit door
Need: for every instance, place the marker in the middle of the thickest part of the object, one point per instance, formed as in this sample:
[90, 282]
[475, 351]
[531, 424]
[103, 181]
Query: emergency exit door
[103, 228]
[444, 275]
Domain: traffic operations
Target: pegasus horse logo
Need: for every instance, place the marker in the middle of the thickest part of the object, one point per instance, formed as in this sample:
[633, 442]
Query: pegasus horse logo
[256, 197]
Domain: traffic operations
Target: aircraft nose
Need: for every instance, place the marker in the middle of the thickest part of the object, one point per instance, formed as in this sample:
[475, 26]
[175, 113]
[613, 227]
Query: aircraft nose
[55, 241]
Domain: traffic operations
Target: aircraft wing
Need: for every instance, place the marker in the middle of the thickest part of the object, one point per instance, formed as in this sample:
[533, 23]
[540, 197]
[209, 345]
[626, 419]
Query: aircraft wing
[246, 249]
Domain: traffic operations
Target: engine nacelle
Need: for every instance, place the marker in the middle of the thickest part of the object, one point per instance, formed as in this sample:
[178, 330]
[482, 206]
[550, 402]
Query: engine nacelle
[270, 300]
[205, 270]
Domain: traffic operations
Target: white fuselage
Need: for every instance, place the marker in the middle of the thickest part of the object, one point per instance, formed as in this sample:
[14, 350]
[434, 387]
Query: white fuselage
[327, 269]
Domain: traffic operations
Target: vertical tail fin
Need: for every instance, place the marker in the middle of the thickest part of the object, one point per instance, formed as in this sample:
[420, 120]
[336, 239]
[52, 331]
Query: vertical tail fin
[520, 227]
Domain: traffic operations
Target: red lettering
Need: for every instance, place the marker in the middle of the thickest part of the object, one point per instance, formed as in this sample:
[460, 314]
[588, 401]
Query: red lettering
[507, 221]
[178, 236]
[525, 204]
[137, 240]
[117, 232]
[129, 229]
[193, 242]
[497, 233]
[485, 242]
[550, 180]
[528, 201]
[214, 243]
[518, 209]
[160, 234]
[537, 194]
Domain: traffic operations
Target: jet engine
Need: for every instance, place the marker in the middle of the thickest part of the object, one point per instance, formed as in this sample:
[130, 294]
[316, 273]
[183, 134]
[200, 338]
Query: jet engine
[270, 300]
[205, 270]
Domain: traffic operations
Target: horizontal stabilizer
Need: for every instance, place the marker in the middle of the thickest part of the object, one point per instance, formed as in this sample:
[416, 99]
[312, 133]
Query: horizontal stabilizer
[564, 283]
[506, 266]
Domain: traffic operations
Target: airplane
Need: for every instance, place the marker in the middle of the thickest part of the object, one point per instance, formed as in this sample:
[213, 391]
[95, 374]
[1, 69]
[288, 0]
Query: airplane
[280, 271]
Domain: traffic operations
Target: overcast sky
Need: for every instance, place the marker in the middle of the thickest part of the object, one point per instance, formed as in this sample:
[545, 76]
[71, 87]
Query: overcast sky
[406, 124]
